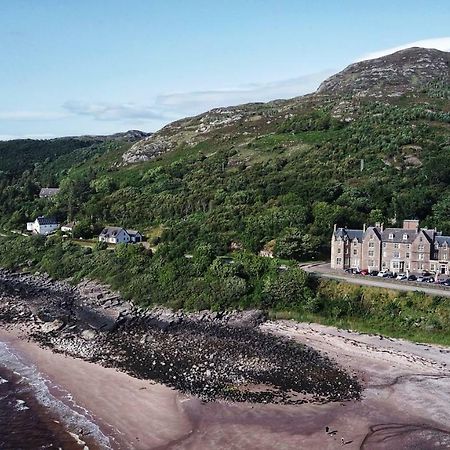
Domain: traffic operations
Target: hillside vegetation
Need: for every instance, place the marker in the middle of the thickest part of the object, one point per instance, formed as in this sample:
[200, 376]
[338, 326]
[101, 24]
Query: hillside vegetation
[260, 176]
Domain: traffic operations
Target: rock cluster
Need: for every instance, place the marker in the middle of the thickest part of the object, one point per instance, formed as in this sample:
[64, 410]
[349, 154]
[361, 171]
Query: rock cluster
[214, 355]
[392, 75]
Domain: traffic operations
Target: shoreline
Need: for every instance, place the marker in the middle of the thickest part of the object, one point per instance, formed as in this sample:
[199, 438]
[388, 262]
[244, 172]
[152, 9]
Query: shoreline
[231, 381]
[405, 402]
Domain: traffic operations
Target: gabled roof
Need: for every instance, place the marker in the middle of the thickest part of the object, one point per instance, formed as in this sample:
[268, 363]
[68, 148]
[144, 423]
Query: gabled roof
[441, 240]
[48, 192]
[133, 232]
[376, 232]
[47, 221]
[350, 234]
[112, 231]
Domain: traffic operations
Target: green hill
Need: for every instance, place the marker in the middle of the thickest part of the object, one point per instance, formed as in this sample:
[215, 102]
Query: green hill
[370, 145]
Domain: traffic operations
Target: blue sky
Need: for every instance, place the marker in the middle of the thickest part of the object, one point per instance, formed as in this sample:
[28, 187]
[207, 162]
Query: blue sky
[102, 66]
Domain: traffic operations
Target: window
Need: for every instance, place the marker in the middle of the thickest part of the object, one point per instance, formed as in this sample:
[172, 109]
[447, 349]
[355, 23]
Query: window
[396, 245]
[420, 247]
[408, 246]
[396, 254]
[384, 265]
[371, 244]
[384, 244]
[391, 236]
[405, 236]
[339, 250]
[355, 251]
[433, 267]
[370, 252]
[445, 256]
[371, 237]
[420, 239]
[407, 255]
[395, 264]
[421, 256]
[338, 261]
[371, 263]
[420, 266]
[407, 265]
[384, 254]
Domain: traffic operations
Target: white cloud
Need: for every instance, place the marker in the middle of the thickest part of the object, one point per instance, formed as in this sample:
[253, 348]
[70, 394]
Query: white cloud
[113, 111]
[437, 43]
[199, 101]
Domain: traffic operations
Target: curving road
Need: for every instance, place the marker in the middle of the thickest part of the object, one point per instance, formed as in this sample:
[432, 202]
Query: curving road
[324, 270]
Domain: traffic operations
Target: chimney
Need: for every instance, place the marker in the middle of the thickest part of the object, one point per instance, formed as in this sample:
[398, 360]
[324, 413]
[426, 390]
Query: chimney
[364, 228]
[377, 224]
[411, 225]
[335, 227]
[382, 227]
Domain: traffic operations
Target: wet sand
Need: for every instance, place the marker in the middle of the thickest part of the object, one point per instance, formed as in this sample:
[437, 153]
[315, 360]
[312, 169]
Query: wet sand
[405, 404]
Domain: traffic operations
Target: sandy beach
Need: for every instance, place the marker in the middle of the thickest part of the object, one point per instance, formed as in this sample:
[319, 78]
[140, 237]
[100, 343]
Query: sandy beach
[405, 403]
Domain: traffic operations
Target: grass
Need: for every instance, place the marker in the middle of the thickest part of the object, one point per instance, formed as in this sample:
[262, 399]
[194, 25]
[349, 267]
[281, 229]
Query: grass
[367, 326]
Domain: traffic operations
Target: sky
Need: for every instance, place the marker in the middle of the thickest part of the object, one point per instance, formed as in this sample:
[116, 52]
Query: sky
[71, 67]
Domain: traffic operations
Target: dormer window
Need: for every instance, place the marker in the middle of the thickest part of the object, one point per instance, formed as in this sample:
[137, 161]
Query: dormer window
[405, 236]
[391, 235]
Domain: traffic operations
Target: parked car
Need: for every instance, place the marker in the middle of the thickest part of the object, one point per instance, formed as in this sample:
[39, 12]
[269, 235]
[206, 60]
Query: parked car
[425, 279]
[402, 276]
[386, 275]
[374, 273]
[412, 278]
[364, 272]
[446, 282]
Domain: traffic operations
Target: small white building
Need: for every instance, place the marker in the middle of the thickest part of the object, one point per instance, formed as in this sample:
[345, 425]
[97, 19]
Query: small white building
[119, 235]
[68, 227]
[48, 192]
[43, 225]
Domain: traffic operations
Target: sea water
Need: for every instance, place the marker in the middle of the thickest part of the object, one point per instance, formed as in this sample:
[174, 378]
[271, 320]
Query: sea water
[37, 414]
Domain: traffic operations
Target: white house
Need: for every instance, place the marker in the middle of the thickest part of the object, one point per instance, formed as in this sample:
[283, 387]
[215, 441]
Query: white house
[43, 225]
[68, 227]
[118, 235]
[48, 192]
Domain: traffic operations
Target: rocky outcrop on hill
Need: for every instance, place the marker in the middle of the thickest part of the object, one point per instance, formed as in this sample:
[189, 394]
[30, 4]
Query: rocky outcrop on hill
[193, 130]
[214, 355]
[391, 75]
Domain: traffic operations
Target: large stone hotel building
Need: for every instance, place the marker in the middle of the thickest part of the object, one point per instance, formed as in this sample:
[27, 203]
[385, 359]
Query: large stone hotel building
[409, 249]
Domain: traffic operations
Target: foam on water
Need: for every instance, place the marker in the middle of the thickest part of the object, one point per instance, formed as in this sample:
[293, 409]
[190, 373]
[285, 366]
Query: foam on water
[68, 412]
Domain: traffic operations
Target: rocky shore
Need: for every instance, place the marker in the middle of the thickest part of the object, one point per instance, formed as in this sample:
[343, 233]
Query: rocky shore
[211, 355]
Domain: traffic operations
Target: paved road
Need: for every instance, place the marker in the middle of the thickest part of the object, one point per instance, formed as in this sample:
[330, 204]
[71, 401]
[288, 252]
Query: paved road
[324, 270]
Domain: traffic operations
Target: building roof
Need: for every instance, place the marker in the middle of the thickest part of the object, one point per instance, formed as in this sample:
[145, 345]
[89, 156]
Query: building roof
[112, 231]
[47, 221]
[441, 240]
[397, 235]
[350, 234]
[68, 225]
[48, 192]
[133, 232]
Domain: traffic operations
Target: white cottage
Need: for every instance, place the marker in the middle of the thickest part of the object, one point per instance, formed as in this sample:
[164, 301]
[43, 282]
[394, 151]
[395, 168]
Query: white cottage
[43, 225]
[119, 235]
